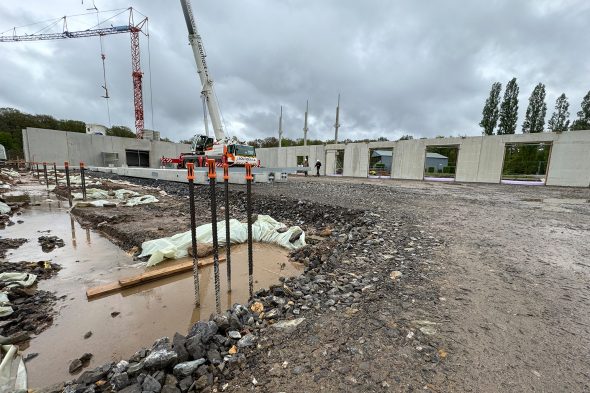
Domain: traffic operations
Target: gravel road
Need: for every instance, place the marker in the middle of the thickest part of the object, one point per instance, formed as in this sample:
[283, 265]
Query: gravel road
[427, 286]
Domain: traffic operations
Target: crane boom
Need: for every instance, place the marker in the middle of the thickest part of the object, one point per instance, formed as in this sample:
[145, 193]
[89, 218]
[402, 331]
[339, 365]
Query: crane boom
[207, 83]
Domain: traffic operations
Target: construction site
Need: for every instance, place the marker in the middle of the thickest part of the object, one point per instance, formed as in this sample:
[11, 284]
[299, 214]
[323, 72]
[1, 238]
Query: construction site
[436, 264]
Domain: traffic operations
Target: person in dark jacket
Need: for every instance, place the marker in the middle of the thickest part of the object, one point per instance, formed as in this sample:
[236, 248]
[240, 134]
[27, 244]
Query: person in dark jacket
[318, 165]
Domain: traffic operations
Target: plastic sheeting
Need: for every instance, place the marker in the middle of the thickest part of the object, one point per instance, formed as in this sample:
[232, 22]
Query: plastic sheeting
[13, 279]
[263, 230]
[4, 208]
[13, 373]
[103, 198]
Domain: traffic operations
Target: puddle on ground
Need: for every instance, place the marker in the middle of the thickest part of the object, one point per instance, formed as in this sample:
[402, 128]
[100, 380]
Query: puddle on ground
[147, 312]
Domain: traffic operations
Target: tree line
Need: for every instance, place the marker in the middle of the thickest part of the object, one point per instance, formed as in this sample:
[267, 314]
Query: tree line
[504, 114]
[13, 121]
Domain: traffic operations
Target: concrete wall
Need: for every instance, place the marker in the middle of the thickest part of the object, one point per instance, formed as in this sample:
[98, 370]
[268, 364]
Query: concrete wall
[480, 158]
[42, 145]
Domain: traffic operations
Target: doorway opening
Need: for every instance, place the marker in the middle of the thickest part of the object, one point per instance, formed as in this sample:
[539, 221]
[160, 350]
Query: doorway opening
[302, 161]
[526, 163]
[440, 163]
[138, 158]
[380, 162]
[339, 163]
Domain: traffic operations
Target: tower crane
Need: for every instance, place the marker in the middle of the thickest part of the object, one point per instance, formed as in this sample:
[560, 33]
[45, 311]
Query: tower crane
[132, 28]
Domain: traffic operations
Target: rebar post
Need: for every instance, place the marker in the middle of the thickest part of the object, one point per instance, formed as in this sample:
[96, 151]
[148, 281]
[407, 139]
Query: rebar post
[45, 174]
[55, 174]
[249, 179]
[212, 176]
[191, 195]
[67, 170]
[83, 180]
[227, 228]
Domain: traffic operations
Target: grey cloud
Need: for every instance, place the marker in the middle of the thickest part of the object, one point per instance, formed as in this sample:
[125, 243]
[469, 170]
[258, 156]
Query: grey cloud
[423, 68]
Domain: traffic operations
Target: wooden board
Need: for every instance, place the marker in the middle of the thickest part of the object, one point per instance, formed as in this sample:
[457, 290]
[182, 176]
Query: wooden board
[145, 277]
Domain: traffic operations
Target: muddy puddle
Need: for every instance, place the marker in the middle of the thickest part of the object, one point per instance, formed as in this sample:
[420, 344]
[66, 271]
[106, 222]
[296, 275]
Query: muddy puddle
[146, 312]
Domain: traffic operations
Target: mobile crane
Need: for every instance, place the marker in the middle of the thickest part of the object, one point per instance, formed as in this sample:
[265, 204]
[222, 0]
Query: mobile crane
[223, 149]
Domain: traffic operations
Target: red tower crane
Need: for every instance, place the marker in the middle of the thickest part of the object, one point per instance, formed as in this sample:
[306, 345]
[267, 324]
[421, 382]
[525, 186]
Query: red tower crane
[132, 28]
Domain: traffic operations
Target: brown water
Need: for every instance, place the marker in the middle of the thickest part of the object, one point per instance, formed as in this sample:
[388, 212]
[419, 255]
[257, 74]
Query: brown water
[147, 312]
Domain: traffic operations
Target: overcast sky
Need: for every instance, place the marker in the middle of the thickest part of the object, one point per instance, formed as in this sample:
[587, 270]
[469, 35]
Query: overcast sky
[403, 67]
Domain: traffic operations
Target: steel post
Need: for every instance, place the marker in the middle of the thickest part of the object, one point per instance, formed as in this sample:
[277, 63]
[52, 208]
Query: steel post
[45, 174]
[227, 228]
[67, 170]
[249, 179]
[212, 176]
[55, 174]
[83, 180]
[191, 194]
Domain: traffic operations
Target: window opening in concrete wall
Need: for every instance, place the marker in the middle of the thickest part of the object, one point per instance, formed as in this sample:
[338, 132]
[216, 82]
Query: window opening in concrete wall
[380, 162]
[526, 163]
[339, 163]
[440, 163]
[302, 161]
[140, 158]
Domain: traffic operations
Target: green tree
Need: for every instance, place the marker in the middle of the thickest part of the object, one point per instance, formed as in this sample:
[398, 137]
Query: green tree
[490, 111]
[121, 131]
[559, 121]
[534, 121]
[583, 120]
[509, 109]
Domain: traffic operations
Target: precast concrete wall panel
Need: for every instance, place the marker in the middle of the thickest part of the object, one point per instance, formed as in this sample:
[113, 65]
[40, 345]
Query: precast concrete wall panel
[569, 164]
[330, 162]
[491, 159]
[408, 160]
[468, 160]
[356, 160]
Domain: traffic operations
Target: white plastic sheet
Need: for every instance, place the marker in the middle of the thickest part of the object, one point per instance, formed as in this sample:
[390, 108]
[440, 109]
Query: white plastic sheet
[13, 373]
[91, 193]
[141, 200]
[263, 230]
[11, 279]
[4, 208]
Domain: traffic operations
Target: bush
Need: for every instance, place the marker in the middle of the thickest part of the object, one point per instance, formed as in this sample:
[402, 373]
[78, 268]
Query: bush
[430, 169]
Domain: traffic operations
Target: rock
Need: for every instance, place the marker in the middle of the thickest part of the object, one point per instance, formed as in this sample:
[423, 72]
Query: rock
[75, 365]
[121, 367]
[17, 338]
[222, 322]
[195, 347]
[257, 307]
[135, 388]
[137, 356]
[272, 314]
[288, 326]
[160, 359]
[170, 389]
[395, 275]
[247, 341]
[87, 335]
[234, 334]
[178, 344]
[115, 313]
[205, 329]
[326, 232]
[161, 343]
[183, 370]
[134, 369]
[295, 236]
[185, 384]
[86, 357]
[95, 375]
[30, 356]
[213, 356]
[170, 380]
[120, 381]
[151, 384]
[201, 383]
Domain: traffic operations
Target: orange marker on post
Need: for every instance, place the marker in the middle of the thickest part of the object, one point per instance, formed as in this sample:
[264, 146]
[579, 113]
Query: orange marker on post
[190, 168]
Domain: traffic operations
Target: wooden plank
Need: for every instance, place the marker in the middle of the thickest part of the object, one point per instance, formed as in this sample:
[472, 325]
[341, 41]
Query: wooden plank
[145, 277]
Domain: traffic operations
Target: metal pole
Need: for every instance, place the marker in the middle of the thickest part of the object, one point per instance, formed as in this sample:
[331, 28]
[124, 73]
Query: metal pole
[83, 180]
[55, 173]
[191, 194]
[212, 176]
[249, 179]
[67, 170]
[38, 174]
[45, 174]
[227, 231]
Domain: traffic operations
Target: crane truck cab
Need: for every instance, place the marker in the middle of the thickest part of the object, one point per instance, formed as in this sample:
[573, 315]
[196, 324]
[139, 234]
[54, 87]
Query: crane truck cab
[230, 151]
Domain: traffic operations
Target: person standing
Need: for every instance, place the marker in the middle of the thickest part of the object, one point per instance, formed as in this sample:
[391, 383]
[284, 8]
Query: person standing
[318, 165]
[305, 164]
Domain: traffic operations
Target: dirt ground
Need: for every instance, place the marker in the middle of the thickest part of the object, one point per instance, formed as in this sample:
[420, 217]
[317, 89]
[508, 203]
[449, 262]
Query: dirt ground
[493, 292]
